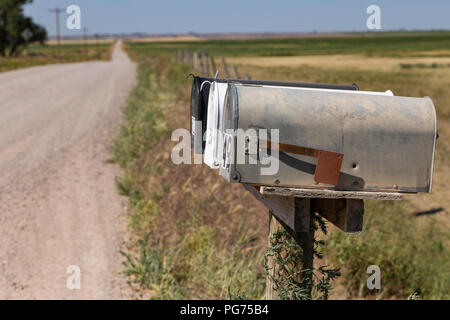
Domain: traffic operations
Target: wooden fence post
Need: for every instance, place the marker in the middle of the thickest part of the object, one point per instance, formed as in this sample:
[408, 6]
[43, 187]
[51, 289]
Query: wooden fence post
[236, 73]
[303, 212]
[206, 64]
[195, 60]
[274, 226]
[201, 68]
[189, 58]
[213, 65]
[225, 68]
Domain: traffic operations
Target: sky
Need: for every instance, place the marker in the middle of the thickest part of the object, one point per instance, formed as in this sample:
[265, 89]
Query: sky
[213, 16]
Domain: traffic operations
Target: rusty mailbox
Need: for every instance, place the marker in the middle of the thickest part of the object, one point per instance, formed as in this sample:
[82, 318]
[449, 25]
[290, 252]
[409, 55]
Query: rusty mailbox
[327, 139]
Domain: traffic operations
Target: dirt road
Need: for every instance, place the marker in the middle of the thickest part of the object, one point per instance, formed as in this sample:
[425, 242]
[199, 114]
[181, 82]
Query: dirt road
[58, 202]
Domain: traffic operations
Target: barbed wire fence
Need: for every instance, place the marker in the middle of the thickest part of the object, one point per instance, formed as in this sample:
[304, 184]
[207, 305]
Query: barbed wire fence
[206, 64]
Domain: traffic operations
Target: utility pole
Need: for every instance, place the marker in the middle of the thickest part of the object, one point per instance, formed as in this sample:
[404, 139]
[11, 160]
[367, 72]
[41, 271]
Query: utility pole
[97, 46]
[57, 11]
[85, 30]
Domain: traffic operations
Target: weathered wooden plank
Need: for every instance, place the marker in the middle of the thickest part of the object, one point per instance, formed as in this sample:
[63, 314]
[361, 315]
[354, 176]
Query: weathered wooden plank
[329, 194]
[282, 207]
[346, 214]
[293, 212]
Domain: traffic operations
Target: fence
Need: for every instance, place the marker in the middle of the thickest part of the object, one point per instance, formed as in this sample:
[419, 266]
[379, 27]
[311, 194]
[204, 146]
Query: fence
[205, 64]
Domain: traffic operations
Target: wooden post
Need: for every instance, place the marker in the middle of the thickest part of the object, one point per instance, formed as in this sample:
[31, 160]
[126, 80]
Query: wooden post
[236, 73]
[274, 226]
[202, 68]
[180, 56]
[293, 209]
[305, 239]
[200, 62]
[206, 70]
[97, 46]
[195, 60]
[225, 68]
[85, 30]
[188, 57]
[213, 65]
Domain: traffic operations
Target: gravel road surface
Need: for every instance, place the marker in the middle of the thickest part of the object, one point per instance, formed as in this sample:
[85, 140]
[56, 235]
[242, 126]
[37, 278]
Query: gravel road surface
[58, 202]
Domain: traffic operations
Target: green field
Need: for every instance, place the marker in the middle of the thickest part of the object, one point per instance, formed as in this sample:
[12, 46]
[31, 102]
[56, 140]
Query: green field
[383, 44]
[46, 54]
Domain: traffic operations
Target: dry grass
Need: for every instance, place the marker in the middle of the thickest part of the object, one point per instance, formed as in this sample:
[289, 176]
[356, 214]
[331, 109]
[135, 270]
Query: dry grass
[340, 61]
[195, 207]
[80, 41]
[188, 237]
[36, 55]
[169, 39]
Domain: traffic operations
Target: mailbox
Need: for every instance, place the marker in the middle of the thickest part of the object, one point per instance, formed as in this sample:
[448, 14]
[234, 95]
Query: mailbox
[200, 94]
[213, 139]
[328, 138]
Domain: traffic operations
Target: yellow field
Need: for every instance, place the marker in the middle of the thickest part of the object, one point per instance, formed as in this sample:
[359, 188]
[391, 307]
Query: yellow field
[356, 62]
[80, 41]
[169, 39]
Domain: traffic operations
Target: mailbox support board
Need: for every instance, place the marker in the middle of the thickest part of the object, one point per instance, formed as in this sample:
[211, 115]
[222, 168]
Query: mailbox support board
[293, 209]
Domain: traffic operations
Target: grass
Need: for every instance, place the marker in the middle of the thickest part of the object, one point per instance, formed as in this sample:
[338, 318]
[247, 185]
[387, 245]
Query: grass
[36, 55]
[410, 255]
[187, 237]
[371, 44]
[423, 65]
[176, 251]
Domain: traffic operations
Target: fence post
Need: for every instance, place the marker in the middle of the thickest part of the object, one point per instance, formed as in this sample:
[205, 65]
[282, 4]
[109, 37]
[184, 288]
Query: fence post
[225, 68]
[189, 61]
[236, 73]
[206, 64]
[305, 239]
[213, 65]
[196, 60]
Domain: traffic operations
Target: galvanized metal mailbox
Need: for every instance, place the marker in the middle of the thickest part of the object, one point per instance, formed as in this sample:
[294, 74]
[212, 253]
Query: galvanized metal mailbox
[329, 139]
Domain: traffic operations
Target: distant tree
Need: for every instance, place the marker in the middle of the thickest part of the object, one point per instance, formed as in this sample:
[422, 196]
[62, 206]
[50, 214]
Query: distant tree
[13, 26]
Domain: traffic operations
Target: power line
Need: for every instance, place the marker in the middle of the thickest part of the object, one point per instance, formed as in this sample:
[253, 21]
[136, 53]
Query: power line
[85, 30]
[57, 11]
